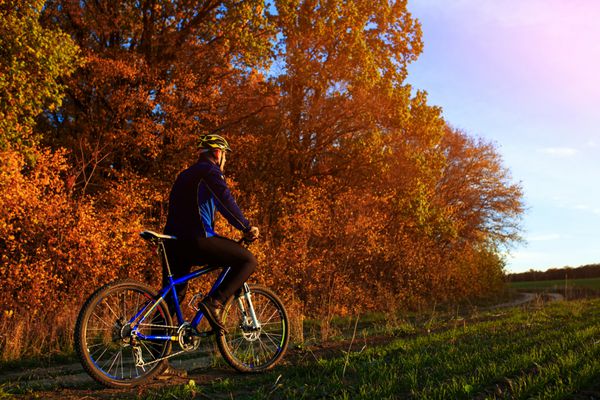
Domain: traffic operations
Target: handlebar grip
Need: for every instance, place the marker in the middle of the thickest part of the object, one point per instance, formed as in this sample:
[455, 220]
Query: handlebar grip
[245, 242]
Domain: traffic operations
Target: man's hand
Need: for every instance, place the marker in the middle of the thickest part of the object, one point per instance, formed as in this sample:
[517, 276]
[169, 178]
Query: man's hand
[251, 234]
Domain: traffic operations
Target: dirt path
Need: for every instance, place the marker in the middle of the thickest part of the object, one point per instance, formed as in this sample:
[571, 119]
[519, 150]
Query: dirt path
[81, 386]
[525, 298]
[555, 296]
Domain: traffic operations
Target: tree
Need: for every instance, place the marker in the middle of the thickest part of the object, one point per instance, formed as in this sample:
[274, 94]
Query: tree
[345, 64]
[476, 189]
[337, 85]
[158, 73]
[33, 59]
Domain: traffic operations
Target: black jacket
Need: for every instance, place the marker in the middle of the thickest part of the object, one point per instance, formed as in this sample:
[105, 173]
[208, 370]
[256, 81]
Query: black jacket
[196, 194]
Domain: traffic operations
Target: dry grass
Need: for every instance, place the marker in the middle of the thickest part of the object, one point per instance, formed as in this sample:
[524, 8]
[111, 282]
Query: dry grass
[32, 336]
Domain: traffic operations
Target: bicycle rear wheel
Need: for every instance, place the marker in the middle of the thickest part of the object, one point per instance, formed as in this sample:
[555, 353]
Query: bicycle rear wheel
[108, 351]
[254, 350]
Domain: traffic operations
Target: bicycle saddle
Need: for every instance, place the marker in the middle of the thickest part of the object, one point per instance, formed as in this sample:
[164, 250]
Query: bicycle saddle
[150, 235]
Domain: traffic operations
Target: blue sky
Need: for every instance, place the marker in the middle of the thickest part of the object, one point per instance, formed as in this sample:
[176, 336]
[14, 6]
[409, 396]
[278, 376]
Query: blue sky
[525, 75]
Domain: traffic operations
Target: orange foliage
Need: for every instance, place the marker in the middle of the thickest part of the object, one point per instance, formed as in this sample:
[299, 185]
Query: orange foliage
[366, 198]
[54, 250]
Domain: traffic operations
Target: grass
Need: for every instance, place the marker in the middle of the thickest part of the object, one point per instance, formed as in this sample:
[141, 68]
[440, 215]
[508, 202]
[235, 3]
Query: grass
[570, 288]
[547, 351]
[590, 283]
[552, 352]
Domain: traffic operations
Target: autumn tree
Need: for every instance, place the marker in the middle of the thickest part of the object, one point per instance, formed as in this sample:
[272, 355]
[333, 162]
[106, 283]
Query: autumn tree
[157, 74]
[53, 250]
[455, 207]
[478, 192]
[338, 65]
[342, 70]
[32, 59]
[351, 169]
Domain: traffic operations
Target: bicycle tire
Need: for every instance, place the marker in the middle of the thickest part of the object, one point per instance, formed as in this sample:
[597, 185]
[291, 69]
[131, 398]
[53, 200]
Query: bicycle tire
[102, 342]
[254, 351]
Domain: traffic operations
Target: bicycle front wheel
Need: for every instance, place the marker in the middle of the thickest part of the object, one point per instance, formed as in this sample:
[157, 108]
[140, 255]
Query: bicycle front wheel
[249, 349]
[108, 349]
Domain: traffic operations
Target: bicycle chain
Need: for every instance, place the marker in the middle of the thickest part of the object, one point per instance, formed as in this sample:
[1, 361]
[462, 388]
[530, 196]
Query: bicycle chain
[140, 362]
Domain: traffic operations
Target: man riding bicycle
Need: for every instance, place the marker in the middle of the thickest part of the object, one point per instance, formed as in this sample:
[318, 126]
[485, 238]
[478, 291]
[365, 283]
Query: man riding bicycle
[124, 333]
[197, 193]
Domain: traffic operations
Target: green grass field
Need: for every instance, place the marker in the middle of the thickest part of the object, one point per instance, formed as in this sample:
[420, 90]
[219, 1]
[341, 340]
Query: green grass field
[550, 352]
[590, 283]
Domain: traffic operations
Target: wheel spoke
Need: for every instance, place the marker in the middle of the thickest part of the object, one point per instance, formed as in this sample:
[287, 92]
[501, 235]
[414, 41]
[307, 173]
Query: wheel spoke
[253, 353]
[241, 341]
[148, 349]
[100, 356]
[268, 336]
[137, 306]
[101, 320]
[111, 310]
[271, 316]
[264, 347]
[247, 352]
[122, 370]
[114, 359]
[262, 311]
[270, 323]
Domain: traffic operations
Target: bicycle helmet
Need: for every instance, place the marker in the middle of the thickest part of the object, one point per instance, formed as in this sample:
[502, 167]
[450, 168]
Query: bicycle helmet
[213, 142]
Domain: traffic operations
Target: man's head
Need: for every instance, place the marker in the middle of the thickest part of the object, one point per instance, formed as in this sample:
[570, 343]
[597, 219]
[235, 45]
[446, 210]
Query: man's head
[215, 147]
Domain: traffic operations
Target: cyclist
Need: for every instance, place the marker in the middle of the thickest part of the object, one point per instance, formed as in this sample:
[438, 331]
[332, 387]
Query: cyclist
[197, 193]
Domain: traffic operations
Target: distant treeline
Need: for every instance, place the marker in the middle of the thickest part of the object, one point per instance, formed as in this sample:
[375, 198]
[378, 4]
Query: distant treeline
[585, 271]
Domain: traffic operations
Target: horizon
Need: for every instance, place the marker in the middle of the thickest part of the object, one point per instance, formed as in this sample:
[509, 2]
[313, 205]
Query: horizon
[555, 269]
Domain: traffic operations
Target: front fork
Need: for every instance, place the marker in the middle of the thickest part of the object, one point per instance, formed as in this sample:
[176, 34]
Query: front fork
[248, 296]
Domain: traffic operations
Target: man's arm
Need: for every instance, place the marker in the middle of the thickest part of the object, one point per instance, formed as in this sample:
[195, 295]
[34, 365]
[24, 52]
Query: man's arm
[224, 200]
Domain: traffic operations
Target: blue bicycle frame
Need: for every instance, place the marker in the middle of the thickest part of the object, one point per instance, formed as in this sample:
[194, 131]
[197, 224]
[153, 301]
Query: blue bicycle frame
[147, 309]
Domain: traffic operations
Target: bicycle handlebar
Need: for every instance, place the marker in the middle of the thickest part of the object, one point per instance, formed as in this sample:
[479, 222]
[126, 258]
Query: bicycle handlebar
[243, 241]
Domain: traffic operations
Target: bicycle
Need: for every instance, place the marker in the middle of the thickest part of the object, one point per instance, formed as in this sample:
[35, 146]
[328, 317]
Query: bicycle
[124, 333]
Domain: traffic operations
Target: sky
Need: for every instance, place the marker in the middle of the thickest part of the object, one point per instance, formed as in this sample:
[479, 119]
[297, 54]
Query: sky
[525, 75]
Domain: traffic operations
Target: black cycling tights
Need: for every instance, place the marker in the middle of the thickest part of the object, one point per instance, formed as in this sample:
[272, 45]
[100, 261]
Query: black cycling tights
[217, 251]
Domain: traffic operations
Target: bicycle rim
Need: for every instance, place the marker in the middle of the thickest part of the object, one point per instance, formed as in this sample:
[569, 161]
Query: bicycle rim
[107, 348]
[249, 350]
